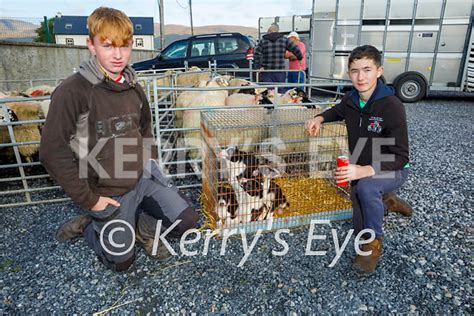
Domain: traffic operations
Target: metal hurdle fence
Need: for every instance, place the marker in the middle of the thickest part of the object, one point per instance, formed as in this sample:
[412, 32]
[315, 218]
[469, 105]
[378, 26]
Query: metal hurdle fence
[23, 182]
[27, 183]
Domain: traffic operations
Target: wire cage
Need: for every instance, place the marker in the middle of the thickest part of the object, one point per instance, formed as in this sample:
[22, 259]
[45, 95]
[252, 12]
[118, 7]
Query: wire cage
[261, 169]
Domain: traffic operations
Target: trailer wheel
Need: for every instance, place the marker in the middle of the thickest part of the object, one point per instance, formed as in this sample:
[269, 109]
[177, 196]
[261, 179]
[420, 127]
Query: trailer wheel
[410, 87]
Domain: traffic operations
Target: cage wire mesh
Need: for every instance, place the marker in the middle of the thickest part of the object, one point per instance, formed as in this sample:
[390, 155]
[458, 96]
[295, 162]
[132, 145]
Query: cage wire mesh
[261, 169]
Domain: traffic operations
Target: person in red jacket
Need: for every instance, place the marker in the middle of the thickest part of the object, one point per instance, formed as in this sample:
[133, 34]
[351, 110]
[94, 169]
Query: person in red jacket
[298, 66]
[97, 143]
[378, 142]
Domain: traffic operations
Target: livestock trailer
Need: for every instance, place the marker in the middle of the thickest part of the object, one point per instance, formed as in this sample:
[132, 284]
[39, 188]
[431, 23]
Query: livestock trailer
[426, 45]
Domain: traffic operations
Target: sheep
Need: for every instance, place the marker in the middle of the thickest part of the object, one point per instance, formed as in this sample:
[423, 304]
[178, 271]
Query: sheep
[192, 118]
[24, 111]
[192, 77]
[238, 83]
[39, 91]
[44, 108]
[241, 99]
[12, 94]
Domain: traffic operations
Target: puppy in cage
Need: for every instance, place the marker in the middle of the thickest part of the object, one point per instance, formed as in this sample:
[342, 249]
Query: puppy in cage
[256, 193]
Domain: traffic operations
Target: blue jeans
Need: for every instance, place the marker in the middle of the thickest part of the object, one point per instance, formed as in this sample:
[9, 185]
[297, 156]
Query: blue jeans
[366, 197]
[296, 76]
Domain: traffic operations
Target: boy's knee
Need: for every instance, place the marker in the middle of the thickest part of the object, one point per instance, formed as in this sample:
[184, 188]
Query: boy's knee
[367, 188]
[189, 218]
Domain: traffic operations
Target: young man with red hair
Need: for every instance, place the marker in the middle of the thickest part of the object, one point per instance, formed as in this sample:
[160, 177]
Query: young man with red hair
[98, 145]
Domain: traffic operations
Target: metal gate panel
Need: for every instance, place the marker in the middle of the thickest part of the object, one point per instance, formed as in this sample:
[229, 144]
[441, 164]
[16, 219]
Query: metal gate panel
[285, 24]
[375, 9]
[392, 64]
[324, 9]
[458, 9]
[302, 23]
[423, 41]
[340, 66]
[346, 37]
[421, 63]
[401, 9]
[452, 39]
[397, 41]
[444, 74]
[349, 10]
[429, 9]
[322, 64]
[323, 34]
[374, 38]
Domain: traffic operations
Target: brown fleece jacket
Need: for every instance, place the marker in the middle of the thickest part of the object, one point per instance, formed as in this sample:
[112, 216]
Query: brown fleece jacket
[97, 135]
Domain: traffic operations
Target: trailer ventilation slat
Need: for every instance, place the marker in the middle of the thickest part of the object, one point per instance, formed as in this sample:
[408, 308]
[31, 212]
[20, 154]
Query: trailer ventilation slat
[470, 69]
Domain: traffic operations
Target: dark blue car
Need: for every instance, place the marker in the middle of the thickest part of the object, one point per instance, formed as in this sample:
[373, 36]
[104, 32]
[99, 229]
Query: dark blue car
[229, 50]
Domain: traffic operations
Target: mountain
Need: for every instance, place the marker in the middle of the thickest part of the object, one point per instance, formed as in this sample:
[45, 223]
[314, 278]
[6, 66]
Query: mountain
[16, 30]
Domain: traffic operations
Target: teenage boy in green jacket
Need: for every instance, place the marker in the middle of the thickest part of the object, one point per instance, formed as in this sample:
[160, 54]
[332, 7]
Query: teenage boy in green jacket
[378, 142]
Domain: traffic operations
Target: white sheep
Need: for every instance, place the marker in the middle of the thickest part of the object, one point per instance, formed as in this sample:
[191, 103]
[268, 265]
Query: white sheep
[192, 118]
[192, 77]
[39, 91]
[236, 82]
[241, 99]
[24, 111]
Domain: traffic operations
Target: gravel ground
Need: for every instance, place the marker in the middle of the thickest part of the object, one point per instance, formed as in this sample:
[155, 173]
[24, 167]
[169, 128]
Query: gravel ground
[426, 266]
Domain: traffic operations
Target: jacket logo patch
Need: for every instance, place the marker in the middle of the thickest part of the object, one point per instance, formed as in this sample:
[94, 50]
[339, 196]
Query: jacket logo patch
[116, 126]
[119, 126]
[375, 125]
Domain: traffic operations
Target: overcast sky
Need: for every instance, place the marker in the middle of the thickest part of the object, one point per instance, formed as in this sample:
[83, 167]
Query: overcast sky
[205, 12]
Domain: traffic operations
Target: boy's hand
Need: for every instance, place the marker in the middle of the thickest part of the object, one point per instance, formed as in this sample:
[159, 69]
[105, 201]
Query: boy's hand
[353, 172]
[313, 125]
[103, 202]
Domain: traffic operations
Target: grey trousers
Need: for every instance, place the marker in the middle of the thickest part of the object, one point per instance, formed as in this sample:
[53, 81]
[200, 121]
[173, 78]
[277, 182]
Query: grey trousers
[111, 232]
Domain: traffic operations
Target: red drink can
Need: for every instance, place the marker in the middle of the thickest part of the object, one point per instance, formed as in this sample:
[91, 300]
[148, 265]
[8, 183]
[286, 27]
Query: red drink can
[342, 161]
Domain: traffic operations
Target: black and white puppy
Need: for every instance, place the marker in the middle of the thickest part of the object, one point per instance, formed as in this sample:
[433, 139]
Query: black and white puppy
[271, 192]
[257, 193]
[226, 207]
[238, 164]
